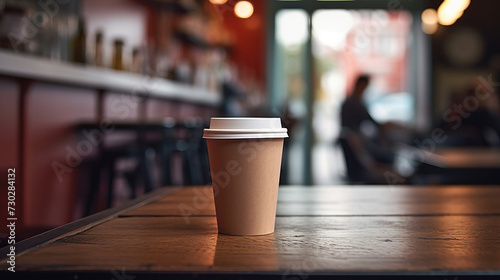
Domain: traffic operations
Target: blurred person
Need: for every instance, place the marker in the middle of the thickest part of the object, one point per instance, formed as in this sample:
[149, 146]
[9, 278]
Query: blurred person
[471, 120]
[356, 119]
[354, 114]
[361, 166]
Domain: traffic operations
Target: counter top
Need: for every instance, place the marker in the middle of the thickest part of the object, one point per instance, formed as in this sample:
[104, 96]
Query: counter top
[36, 68]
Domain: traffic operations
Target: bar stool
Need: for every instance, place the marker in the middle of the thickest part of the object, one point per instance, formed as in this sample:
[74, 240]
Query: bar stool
[106, 163]
[180, 140]
[183, 139]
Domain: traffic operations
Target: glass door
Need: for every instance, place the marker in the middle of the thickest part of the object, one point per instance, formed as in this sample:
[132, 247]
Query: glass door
[346, 44]
[317, 53]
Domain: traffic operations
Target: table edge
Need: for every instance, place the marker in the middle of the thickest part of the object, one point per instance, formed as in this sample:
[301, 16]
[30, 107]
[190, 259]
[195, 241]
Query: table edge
[275, 274]
[84, 223]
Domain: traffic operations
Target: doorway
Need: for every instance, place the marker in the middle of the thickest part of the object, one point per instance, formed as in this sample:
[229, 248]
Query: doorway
[318, 55]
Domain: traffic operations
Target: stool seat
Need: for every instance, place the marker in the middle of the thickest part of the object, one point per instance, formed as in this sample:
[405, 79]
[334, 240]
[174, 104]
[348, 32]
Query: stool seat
[158, 145]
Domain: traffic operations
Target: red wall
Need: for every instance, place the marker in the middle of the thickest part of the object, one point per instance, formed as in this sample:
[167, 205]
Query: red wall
[9, 145]
[51, 113]
[249, 40]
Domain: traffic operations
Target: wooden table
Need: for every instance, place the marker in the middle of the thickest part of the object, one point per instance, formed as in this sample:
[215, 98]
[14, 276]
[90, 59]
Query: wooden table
[457, 165]
[347, 231]
[460, 158]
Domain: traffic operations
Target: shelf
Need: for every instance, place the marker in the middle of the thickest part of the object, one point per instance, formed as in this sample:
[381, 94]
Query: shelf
[41, 69]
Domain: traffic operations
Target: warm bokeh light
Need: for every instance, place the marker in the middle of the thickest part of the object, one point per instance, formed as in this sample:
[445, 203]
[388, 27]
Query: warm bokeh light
[451, 10]
[218, 2]
[429, 16]
[429, 28]
[243, 9]
[429, 21]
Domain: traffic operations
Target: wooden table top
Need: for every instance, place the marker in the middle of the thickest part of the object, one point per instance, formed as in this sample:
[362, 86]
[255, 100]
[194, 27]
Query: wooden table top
[456, 157]
[469, 157]
[343, 230]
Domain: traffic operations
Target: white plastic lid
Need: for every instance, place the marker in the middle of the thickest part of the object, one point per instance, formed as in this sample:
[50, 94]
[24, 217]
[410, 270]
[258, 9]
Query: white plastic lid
[245, 128]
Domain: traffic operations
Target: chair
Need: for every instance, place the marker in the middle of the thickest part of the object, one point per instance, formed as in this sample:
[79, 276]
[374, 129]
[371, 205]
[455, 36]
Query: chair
[361, 167]
[107, 161]
[183, 140]
[172, 142]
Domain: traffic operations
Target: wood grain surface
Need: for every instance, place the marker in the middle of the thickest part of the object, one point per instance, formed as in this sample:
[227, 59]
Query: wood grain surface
[468, 157]
[352, 200]
[452, 229]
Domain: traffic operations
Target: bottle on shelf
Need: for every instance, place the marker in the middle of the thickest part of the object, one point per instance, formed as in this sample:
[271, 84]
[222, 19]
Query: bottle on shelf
[117, 62]
[11, 23]
[98, 49]
[79, 43]
[137, 61]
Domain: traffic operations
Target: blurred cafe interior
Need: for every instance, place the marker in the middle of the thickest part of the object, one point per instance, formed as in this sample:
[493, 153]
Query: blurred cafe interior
[102, 101]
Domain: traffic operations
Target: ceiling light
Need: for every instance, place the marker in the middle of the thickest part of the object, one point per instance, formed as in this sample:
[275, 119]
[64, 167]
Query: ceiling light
[451, 10]
[218, 2]
[243, 9]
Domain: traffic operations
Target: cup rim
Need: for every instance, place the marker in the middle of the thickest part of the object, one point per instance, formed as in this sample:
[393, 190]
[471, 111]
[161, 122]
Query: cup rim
[245, 128]
[211, 134]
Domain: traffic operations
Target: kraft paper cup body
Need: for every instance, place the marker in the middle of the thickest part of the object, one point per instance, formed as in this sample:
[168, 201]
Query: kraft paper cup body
[245, 177]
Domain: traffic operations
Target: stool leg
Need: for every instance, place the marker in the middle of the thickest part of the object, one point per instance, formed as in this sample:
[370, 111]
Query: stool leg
[146, 169]
[131, 178]
[111, 178]
[186, 169]
[166, 153]
[94, 187]
[195, 170]
[205, 163]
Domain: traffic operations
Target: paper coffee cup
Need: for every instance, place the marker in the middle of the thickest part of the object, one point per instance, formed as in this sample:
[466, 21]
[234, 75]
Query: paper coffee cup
[245, 162]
